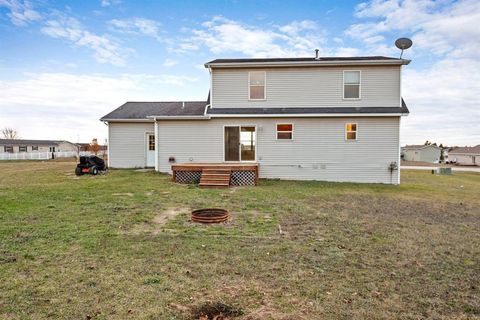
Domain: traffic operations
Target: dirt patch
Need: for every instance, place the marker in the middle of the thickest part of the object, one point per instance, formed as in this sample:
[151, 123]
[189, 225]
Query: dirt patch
[216, 311]
[123, 194]
[162, 218]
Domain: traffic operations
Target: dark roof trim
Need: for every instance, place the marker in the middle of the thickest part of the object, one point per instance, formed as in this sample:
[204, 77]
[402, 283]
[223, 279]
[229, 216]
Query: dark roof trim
[307, 61]
[310, 111]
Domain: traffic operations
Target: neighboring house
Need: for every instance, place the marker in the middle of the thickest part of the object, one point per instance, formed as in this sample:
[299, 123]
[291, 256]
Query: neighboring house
[19, 145]
[335, 119]
[425, 153]
[465, 155]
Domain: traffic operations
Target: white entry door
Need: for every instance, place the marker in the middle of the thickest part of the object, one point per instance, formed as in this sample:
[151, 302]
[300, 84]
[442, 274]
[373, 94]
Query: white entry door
[150, 147]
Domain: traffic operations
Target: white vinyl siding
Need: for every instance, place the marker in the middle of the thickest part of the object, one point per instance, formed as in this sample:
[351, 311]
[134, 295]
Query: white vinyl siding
[127, 144]
[318, 152]
[307, 87]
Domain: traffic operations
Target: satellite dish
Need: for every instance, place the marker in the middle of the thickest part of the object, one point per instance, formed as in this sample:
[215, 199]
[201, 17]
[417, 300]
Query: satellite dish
[403, 44]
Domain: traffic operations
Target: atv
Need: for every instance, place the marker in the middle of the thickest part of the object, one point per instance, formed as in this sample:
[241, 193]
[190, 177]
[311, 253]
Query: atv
[90, 165]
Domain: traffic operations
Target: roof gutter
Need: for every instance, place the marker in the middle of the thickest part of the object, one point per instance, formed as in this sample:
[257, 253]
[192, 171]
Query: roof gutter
[155, 118]
[125, 120]
[309, 115]
[305, 63]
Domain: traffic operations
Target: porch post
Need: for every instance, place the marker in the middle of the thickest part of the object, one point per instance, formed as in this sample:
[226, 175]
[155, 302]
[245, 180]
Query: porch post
[156, 145]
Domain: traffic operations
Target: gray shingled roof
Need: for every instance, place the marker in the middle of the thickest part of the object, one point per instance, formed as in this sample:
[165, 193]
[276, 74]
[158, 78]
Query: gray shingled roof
[142, 110]
[29, 142]
[304, 59]
[465, 150]
[419, 146]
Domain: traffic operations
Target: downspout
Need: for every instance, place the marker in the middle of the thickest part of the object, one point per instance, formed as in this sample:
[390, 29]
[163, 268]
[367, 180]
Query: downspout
[156, 146]
[108, 144]
[211, 86]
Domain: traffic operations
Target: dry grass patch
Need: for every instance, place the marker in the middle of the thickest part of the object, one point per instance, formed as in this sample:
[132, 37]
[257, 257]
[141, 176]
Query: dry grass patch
[71, 249]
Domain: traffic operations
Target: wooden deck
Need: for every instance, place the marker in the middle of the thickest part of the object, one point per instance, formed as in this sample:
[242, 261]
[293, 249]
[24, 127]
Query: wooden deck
[208, 174]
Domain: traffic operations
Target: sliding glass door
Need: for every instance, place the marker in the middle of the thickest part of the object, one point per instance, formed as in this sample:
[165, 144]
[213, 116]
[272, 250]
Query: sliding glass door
[240, 143]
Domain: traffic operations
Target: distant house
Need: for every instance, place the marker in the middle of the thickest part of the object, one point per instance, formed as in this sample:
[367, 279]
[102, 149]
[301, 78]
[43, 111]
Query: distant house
[465, 155]
[32, 146]
[425, 153]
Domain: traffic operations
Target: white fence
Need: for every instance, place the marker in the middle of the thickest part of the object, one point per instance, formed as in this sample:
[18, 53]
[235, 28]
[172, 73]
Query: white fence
[42, 155]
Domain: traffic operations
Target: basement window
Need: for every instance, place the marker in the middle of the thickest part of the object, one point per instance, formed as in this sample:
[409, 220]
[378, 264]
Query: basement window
[284, 131]
[22, 149]
[351, 131]
[351, 84]
[256, 85]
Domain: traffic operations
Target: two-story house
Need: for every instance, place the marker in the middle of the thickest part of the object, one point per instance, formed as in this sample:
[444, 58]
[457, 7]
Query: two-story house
[333, 119]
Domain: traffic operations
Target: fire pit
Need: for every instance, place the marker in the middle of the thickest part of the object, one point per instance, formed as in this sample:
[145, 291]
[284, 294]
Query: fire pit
[210, 215]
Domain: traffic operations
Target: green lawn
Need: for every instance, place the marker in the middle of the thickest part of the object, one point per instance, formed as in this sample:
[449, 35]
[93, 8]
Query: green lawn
[121, 246]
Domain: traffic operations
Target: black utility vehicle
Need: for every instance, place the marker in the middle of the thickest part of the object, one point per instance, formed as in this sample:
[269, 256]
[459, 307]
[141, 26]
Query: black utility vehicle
[90, 165]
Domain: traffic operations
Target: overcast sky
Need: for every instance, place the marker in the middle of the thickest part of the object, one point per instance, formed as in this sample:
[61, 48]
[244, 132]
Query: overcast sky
[64, 64]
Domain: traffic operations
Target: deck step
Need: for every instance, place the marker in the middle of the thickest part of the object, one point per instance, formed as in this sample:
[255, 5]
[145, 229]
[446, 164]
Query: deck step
[215, 178]
[217, 171]
[221, 179]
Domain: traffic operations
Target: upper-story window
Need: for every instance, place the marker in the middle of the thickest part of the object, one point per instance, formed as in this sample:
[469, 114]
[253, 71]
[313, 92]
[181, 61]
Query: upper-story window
[351, 84]
[256, 85]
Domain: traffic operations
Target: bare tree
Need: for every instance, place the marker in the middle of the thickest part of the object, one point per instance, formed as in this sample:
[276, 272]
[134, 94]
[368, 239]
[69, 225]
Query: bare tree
[94, 146]
[10, 133]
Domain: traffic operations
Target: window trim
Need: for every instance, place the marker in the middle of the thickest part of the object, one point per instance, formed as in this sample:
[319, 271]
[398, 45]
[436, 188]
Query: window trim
[264, 85]
[20, 148]
[240, 129]
[276, 131]
[346, 131]
[359, 85]
[149, 141]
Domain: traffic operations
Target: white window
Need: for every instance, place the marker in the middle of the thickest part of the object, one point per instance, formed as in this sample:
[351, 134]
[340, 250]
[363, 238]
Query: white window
[351, 131]
[256, 85]
[351, 84]
[284, 131]
[22, 148]
[151, 142]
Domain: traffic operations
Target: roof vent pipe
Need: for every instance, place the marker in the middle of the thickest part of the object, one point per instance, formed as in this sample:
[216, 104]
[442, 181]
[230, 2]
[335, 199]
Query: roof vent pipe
[317, 57]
